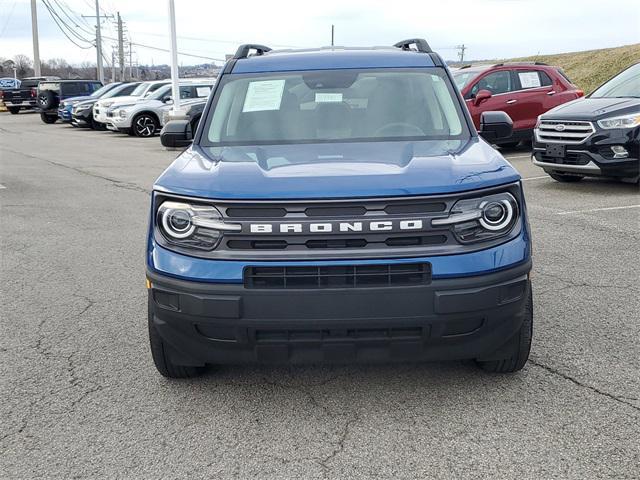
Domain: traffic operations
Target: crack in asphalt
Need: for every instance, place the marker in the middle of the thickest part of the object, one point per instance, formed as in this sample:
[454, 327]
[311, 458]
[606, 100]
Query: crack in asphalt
[617, 398]
[573, 284]
[117, 183]
[339, 446]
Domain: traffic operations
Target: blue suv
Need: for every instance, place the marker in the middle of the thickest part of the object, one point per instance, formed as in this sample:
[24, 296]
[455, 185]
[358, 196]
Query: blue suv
[338, 205]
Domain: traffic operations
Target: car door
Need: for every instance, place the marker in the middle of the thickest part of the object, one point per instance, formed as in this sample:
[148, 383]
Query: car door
[500, 84]
[533, 94]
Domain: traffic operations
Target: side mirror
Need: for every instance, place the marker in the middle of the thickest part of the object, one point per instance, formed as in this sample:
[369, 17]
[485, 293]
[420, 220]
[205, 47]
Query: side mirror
[176, 134]
[168, 100]
[481, 96]
[495, 126]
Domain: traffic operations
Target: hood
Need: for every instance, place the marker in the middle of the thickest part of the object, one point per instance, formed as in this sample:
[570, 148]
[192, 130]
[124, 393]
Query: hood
[336, 170]
[593, 108]
[119, 100]
[90, 101]
[69, 100]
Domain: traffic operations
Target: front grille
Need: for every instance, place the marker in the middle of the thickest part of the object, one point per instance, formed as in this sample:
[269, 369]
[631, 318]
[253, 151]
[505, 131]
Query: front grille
[570, 158]
[560, 131]
[338, 276]
[338, 229]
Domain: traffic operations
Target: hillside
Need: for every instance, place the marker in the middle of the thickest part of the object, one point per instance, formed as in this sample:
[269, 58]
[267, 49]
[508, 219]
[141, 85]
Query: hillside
[590, 68]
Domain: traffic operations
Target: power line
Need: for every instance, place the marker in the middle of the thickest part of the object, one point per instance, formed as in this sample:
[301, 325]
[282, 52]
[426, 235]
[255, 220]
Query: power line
[56, 17]
[6, 23]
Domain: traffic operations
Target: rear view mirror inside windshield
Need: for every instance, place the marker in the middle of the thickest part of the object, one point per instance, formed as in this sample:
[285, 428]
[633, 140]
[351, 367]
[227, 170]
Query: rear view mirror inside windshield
[329, 79]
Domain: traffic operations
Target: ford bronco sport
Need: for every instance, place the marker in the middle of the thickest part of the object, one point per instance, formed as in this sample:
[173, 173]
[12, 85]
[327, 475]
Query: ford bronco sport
[338, 205]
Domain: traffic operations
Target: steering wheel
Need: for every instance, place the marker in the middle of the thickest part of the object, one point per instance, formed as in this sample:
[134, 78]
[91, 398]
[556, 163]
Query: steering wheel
[399, 125]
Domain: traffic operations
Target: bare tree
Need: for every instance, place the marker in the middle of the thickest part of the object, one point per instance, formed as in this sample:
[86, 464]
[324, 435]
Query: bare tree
[23, 65]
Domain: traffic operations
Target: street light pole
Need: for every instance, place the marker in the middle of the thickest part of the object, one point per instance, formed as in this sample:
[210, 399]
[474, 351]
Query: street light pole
[175, 89]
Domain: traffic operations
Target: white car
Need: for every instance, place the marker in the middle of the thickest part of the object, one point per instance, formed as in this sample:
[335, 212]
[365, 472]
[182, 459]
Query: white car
[144, 89]
[142, 118]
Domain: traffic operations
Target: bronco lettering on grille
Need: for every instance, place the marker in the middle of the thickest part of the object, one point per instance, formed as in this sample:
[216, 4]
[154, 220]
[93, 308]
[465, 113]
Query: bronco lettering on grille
[342, 227]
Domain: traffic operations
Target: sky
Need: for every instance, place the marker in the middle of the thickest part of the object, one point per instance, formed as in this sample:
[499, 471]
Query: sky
[490, 29]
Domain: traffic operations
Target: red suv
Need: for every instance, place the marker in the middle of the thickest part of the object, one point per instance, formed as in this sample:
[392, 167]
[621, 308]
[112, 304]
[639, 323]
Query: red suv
[522, 90]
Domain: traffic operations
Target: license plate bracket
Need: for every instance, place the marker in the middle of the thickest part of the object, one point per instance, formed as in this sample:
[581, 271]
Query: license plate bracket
[555, 150]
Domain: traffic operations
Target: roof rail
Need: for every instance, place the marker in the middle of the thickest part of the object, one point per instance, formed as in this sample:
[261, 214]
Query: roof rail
[243, 50]
[519, 63]
[420, 44]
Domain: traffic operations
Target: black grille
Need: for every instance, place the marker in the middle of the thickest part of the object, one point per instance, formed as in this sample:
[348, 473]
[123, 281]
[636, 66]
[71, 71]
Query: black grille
[339, 276]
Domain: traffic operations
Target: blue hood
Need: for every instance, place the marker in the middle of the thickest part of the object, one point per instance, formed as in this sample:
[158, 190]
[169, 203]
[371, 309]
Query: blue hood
[336, 170]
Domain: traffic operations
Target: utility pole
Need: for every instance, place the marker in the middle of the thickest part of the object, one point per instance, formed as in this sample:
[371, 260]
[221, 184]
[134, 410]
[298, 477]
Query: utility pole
[332, 32]
[99, 44]
[34, 33]
[175, 89]
[99, 40]
[130, 61]
[113, 63]
[461, 49]
[120, 48]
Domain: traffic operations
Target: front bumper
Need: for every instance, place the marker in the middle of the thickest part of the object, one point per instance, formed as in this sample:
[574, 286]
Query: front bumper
[65, 114]
[447, 319]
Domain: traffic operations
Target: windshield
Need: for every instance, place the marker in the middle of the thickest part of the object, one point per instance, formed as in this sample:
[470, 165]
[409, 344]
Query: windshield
[334, 105]
[625, 84]
[140, 89]
[464, 77]
[161, 92]
[98, 93]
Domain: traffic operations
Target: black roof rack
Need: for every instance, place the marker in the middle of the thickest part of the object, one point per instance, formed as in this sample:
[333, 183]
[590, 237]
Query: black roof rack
[420, 44]
[243, 50]
[519, 63]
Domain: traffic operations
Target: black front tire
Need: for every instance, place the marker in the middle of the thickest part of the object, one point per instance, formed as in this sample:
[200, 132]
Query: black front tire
[46, 118]
[516, 351]
[14, 110]
[561, 177]
[509, 144]
[161, 358]
[145, 125]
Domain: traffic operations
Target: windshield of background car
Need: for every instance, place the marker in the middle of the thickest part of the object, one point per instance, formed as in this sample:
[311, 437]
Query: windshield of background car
[334, 106]
[625, 84]
[465, 77]
[101, 91]
[140, 89]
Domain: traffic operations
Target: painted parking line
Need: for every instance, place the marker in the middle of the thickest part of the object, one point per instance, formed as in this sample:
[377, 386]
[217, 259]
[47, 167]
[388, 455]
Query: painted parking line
[517, 156]
[598, 209]
[536, 178]
[2, 186]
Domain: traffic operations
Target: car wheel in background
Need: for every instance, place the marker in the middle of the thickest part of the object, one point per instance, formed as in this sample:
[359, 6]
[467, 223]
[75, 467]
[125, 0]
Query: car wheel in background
[14, 110]
[97, 125]
[509, 144]
[144, 125]
[561, 177]
[46, 100]
[48, 118]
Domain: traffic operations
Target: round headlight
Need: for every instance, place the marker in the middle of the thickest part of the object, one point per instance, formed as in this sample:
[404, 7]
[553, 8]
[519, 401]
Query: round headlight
[177, 222]
[496, 215]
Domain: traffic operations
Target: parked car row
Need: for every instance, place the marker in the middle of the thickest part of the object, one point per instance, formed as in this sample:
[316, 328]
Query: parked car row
[136, 108]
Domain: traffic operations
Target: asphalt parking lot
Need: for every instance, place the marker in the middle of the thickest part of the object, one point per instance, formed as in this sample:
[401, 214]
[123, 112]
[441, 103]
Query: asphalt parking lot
[81, 398]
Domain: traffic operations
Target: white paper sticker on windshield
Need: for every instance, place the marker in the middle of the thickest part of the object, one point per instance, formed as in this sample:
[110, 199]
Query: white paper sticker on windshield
[203, 91]
[529, 79]
[263, 95]
[328, 97]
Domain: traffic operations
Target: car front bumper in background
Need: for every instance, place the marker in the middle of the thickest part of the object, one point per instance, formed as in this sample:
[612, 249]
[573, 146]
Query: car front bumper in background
[587, 163]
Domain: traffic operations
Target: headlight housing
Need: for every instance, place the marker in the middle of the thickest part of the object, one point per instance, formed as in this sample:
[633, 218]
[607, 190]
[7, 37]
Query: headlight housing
[191, 226]
[80, 108]
[623, 121]
[480, 219]
[122, 113]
